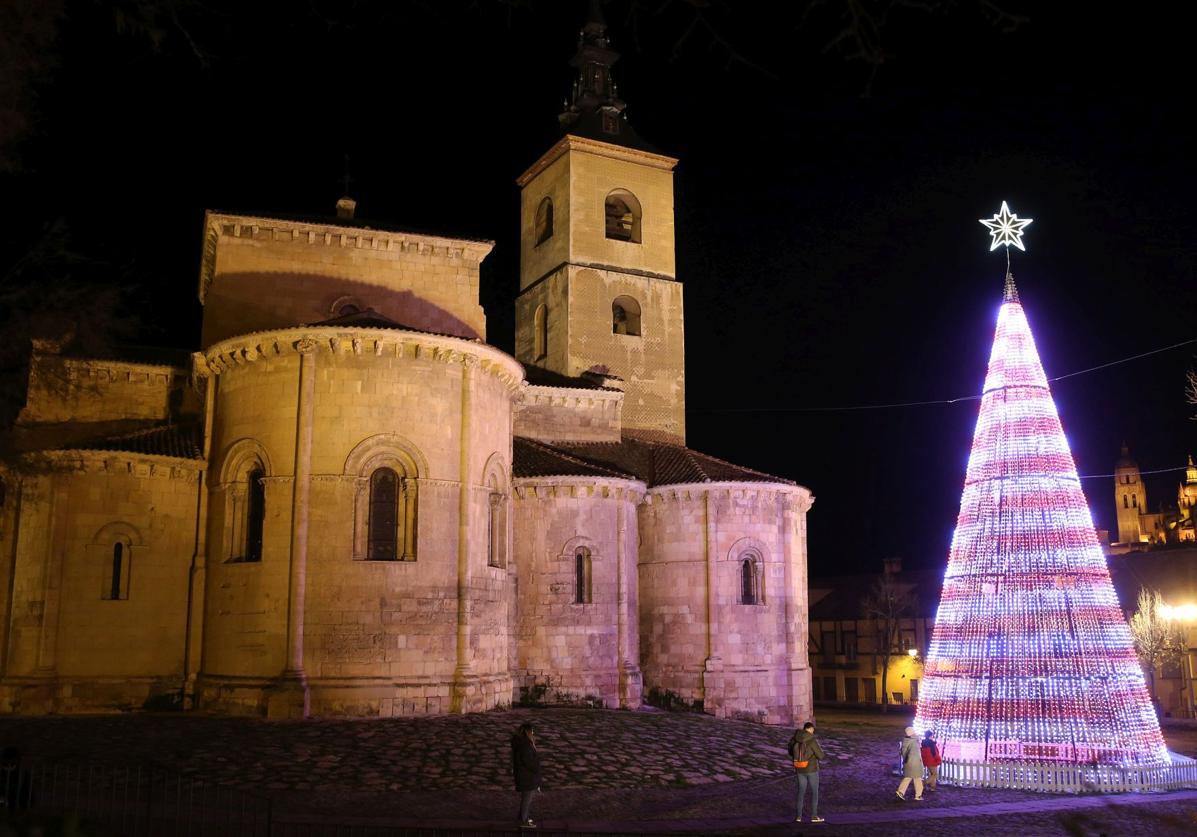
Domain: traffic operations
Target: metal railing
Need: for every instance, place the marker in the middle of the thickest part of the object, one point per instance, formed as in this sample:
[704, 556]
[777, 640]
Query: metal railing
[1068, 778]
[135, 801]
[155, 802]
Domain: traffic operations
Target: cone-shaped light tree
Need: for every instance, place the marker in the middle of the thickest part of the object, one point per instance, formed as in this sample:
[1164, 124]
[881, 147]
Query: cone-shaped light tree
[1031, 659]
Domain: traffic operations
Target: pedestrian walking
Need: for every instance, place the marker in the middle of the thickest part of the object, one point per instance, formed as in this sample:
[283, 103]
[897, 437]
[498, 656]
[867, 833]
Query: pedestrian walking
[931, 759]
[912, 766]
[806, 753]
[525, 767]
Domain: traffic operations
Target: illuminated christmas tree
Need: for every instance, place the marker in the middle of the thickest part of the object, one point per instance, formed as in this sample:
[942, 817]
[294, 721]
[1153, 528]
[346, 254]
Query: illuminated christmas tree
[1031, 659]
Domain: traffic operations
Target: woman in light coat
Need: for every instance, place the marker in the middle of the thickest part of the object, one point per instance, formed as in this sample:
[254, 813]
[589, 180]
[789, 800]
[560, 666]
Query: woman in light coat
[912, 766]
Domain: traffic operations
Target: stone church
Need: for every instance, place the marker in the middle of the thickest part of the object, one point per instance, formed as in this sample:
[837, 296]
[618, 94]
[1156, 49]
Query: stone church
[348, 503]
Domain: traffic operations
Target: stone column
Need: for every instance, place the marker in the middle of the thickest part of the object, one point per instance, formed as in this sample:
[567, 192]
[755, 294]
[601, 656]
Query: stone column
[47, 651]
[193, 645]
[292, 698]
[462, 674]
[621, 596]
[712, 679]
[786, 521]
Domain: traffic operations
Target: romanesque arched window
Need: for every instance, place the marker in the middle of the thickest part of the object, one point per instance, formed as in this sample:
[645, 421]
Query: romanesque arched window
[117, 587]
[750, 580]
[255, 515]
[540, 333]
[1135, 501]
[625, 316]
[496, 511]
[383, 537]
[385, 470]
[1125, 501]
[544, 221]
[622, 212]
[110, 553]
[582, 585]
[242, 480]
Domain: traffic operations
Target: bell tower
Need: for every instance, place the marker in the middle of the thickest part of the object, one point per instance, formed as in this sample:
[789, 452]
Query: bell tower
[598, 285]
[1130, 498]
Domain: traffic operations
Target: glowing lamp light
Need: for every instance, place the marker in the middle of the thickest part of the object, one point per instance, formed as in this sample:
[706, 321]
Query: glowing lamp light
[913, 652]
[1180, 613]
[1031, 659]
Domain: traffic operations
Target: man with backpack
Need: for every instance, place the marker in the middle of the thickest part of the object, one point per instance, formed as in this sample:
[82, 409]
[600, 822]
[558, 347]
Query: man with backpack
[806, 753]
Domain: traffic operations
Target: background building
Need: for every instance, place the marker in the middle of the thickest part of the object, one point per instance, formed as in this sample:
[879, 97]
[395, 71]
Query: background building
[1137, 524]
[847, 644]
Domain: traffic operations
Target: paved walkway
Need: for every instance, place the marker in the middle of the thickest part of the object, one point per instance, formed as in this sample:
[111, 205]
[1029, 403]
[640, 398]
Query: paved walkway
[909, 812]
[605, 772]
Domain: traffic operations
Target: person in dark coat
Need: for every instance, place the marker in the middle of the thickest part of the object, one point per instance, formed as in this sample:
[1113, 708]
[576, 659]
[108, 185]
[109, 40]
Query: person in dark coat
[805, 751]
[525, 767]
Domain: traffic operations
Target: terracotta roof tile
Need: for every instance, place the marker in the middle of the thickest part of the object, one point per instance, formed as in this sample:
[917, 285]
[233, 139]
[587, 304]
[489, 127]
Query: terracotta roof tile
[536, 459]
[653, 463]
[660, 463]
[181, 441]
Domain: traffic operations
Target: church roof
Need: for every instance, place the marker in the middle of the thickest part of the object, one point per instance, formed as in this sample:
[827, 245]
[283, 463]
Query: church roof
[594, 109]
[180, 441]
[536, 459]
[540, 377]
[311, 219]
[653, 463]
[365, 319]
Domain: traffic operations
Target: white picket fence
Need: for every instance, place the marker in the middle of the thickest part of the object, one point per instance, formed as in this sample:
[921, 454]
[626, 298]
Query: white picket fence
[1069, 778]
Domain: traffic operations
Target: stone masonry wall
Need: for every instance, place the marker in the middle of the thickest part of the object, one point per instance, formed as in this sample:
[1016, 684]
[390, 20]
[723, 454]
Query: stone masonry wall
[379, 637]
[72, 647]
[569, 651]
[261, 273]
[85, 391]
[575, 415]
[747, 660]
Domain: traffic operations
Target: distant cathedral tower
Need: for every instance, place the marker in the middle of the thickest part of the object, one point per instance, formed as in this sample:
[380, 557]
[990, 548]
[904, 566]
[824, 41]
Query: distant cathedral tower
[1130, 496]
[598, 286]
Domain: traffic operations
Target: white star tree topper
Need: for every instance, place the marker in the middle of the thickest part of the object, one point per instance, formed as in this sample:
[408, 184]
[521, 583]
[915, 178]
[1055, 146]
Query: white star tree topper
[1006, 228]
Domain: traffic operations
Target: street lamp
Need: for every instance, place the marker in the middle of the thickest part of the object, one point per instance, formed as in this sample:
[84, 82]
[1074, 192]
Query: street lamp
[913, 652]
[1185, 613]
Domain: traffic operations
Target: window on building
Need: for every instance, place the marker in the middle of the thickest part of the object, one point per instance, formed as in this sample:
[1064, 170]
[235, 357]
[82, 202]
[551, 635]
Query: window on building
[850, 646]
[383, 537]
[623, 216]
[914, 690]
[830, 692]
[748, 585]
[496, 530]
[1125, 502]
[816, 688]
[851, 690]
[1135, 501]
[116, 575]
[255, 514]
[625, 316]
[544, 221]
[870, 689]
[540, 333]
[828, 646]
[582, 586]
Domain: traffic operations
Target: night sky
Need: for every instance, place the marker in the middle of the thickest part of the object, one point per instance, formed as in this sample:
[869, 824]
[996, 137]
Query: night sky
[826, 223]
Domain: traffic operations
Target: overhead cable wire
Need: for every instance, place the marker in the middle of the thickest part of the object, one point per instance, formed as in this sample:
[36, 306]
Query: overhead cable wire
[933, 402]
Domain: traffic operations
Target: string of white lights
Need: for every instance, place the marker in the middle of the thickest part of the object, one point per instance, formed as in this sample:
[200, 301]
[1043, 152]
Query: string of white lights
[844, 408]
[1030, 659]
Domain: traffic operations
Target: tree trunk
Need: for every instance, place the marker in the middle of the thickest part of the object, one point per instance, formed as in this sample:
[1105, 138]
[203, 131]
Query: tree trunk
[885, 683]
